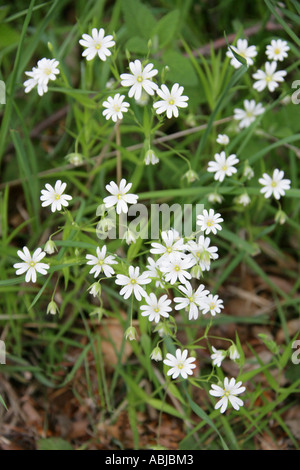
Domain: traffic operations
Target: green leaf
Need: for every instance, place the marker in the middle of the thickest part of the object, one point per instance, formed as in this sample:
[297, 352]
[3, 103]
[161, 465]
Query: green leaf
[137, 45]
[269, 343]
[167, 27]
[3, 402]
[8, 36]
[180, 69]
[54, 443]
[138, 19]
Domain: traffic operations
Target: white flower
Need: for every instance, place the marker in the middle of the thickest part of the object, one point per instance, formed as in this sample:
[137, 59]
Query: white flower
[50, 247]
[95, 289]
[222, 139]
[47, 70]
[150, 157]
[33, 81]
[280, 217]
[223, 166]
[130, 236]
[154, 272]
[171, 245]
[54, 196]
[31, 264]
[217, 357]
[101, 262]
[119, 196]
[209, 221]
[191, 176]
[139, 79]
[156, 354]
[248, 172]
[52, 308]
[215, 198]
[75, 158]
[243, 199]
[156, 308]
[143, 100]
[176, 268]
[110, 84]
[228, 393]
[233, 352]
[274, 185]
[130, 333]
[242, 49]
[115, 107]
[39, 76]
[247, 115]
[192, 301]
[202, 252]
[170, 100]
[268, 78]
[213, 305]
[132, 283]
[277, 50]
[180, 364]
[97, 44]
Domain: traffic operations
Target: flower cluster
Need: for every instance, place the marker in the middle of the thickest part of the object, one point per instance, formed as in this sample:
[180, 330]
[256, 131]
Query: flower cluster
[170, 282]
[46, 70]
[225, 166]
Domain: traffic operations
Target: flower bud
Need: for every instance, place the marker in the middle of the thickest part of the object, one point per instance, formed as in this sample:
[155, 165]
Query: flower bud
[280, 217]
[143, 100]
[150, 157]
[248, 172]
[95, 289]
[75, 159]
[156, 354]
[50, 247]
[130, 333]
[191, 176]
[52, 308]
[215, 198]
[233, 352]
[129, 237]
[243, 199]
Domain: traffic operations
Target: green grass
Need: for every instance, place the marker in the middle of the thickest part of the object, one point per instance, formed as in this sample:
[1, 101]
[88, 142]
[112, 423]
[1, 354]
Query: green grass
[68, 350]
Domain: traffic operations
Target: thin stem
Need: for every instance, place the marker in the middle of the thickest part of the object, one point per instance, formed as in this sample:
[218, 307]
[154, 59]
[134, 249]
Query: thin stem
[118, 153]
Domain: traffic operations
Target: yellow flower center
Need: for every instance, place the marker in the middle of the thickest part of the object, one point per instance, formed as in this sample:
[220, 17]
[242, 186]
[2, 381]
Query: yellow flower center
[156, 310]
[171, 102]
[227, 393]
[210, 223]
[116, 108]
[177, 268]
[32, 264]
[119, 196]
[169, 249]
[191, 299]
[269, 78]
[47, 71]
[276, 51]
[57, 197]
[273, 184]
[180, 365]
[133, 282]
[212, 306]
[98, 46]
[140, 78]
[100, 262]
[224, 168]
